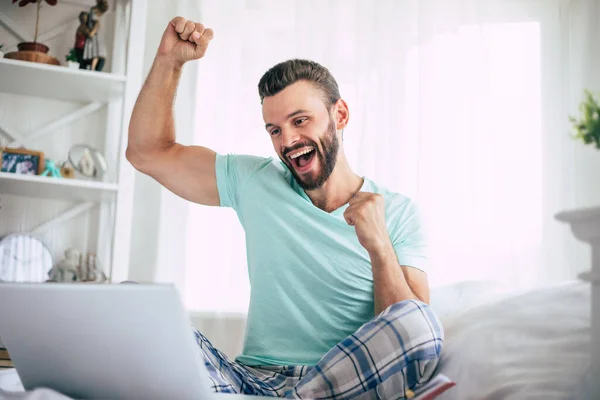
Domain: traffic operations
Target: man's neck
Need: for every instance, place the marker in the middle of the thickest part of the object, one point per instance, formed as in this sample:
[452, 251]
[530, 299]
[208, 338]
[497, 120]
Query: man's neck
[339, 188]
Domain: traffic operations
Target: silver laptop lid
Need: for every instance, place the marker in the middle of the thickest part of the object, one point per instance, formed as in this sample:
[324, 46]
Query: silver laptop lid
[102, 341]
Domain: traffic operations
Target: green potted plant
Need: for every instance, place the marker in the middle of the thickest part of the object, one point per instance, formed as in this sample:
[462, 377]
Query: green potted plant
[587, 126]
[72, 61]
[34, 51]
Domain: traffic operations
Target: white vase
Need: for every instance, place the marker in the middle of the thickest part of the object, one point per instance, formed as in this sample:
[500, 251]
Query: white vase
[73, 64]
[1, 54]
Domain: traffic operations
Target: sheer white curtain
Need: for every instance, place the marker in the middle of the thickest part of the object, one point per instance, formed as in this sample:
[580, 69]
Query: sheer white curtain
[570, 169]
[458, 104]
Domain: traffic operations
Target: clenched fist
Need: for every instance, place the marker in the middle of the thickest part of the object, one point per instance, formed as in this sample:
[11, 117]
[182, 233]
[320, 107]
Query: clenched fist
[366, 213]
[184, 40]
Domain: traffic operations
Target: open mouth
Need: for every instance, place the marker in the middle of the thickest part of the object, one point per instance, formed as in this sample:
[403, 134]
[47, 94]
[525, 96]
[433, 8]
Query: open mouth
[303, 160]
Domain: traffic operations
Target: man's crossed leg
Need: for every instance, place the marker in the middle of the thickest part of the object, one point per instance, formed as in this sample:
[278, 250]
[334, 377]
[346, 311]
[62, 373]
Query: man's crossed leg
[391, 355]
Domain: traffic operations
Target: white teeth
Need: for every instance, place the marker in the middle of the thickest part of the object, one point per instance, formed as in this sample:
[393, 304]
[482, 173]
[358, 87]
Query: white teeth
[300, 153]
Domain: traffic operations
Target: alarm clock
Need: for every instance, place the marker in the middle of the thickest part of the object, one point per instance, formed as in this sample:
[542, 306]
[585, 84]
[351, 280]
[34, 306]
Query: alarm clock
[24, 258]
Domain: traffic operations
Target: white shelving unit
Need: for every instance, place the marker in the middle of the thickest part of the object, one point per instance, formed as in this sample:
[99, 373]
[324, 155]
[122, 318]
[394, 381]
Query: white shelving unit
[116, 91]
[59, 189]
[50, 81]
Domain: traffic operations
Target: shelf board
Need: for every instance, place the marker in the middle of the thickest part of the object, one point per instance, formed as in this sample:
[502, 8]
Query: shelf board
[58, 82]
[56, 188]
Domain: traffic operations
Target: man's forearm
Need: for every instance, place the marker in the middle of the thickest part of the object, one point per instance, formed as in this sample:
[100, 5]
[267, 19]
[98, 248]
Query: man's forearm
[390, 285]
[152, 125]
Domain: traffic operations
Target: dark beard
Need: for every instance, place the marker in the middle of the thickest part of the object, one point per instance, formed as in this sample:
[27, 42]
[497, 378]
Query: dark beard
[330, 145]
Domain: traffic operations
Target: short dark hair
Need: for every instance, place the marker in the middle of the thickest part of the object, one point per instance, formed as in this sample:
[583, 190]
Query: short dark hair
[288, 72]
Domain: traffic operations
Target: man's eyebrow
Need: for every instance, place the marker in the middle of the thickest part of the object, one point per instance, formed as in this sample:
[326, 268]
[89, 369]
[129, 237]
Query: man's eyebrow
[268, 125]
[295, 113]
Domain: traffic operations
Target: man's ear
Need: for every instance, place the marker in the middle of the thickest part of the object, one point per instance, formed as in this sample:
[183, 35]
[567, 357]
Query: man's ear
[342, 114]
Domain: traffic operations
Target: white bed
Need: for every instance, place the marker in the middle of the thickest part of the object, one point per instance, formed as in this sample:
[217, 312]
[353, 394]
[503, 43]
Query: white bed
[541, 344]
[533, 345]
[530, 345]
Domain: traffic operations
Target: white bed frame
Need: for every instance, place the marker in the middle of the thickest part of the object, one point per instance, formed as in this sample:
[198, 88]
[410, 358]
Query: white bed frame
[585, 225]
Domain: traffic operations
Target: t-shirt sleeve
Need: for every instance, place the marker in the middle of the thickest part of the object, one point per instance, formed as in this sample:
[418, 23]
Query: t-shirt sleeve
[409, 239]
[233, 173]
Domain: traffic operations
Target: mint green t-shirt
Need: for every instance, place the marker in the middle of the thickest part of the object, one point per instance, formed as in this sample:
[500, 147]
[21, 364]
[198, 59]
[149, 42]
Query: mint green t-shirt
[311, 280]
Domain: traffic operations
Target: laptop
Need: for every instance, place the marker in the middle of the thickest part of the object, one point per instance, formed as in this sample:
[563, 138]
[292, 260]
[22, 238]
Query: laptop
[103, 341]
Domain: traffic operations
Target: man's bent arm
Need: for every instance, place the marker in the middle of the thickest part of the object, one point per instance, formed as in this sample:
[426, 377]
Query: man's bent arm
[188, 171]
[394, 283]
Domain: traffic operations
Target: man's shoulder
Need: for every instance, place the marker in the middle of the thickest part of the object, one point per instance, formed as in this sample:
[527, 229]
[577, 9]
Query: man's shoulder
[392, 199]
[247, 159]
[253, 167]
[399, 207]
[266, 165]
[402, 213]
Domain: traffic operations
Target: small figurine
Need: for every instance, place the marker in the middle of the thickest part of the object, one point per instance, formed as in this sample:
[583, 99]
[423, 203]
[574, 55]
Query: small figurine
[67, 270]
[88, 45]
[51, 169]
[93, 270]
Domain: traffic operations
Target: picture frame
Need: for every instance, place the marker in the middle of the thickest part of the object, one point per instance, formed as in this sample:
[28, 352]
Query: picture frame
[21, 161]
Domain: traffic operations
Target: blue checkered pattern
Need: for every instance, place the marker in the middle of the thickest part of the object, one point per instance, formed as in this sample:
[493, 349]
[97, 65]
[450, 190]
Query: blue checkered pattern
[393, 354]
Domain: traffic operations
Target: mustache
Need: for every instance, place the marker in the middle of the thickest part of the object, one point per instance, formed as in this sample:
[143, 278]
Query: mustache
[298, 146]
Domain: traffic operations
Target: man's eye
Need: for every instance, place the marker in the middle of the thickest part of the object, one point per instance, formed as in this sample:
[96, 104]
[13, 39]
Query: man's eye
[299, 121]
[274, 132]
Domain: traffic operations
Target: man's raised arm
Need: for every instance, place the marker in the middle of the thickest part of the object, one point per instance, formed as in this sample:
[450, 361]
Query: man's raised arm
[188, 171]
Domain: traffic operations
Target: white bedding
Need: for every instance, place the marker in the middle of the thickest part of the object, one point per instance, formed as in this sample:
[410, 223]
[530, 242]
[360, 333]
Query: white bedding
[533, 345]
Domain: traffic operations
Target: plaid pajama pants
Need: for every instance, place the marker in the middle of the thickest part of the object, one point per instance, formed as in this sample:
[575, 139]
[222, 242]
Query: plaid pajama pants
[393, 354]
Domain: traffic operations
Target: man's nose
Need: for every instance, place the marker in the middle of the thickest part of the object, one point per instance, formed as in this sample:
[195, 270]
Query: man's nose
[289, 137]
